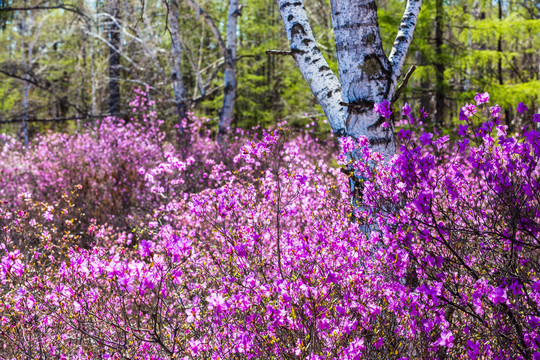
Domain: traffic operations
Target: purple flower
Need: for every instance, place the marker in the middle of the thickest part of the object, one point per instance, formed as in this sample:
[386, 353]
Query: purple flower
[469, 110]
[474, 349]
[462, 116]
[406, 110]
[385, 125]
[441, 142]
[331, 278]
[241, 250]
[145, 247]
[217, 302]
[383, 108]
[501, 130]
[447, 339]
[536, 118]
[425, 138]
[498, 295]
[425, 114]
[405, 134]
[495, 111]
[463, 144]
[481, 98]
[462, 129]
[521, 108]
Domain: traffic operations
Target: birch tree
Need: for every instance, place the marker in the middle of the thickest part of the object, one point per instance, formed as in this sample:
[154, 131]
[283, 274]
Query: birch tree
[228, 49]
[229, 99]
[180, 96]
[366, 75]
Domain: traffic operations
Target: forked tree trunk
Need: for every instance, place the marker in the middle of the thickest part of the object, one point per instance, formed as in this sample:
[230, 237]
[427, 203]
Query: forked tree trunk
[366, 75]
[180, 96]
[229, 98]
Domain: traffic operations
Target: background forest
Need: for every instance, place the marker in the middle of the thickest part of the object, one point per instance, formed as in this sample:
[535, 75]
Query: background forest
[67, 64]
[189, 179]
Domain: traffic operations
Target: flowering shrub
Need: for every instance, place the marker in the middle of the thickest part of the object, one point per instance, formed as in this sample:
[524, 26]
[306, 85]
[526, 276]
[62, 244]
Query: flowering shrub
[262, 255]
[112, 166]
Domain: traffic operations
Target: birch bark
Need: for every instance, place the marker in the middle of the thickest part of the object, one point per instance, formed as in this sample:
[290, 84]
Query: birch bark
[180, 96]
[229, 99]
[228, 50]
[366, 75]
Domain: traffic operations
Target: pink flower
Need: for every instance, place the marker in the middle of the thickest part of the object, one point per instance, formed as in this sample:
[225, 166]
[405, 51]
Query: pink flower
[498, 295]
[447, 339]
[406, 110]
[126, 283]
[193, 315]
[469, 110]
[481, 98]
[495, 111]
[383, 108]
[216, 302]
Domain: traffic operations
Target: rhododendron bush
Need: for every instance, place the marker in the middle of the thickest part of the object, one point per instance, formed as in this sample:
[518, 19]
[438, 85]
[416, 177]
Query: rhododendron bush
[257, 251]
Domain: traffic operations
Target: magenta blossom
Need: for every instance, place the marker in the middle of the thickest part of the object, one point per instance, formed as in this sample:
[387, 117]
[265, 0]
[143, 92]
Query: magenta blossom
[498, 295]
[495, 111]
[469, 110]
[521, 108]
[406, 110]
[462, 116]
[481, 98]
[447, 339]
[425, 138]
[425, 113]
[383, 108]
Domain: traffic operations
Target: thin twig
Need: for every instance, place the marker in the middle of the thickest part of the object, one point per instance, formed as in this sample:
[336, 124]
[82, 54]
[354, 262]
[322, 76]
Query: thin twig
[57, 119]
[403, 84]
[278, 52]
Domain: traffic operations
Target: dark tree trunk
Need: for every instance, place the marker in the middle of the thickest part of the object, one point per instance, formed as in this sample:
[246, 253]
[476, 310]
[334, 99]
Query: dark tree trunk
[114, 59]
[439, 65]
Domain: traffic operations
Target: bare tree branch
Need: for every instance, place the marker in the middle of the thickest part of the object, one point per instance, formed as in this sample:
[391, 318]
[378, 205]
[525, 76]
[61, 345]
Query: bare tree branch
[403, 39]
[403, 83]
[66, 7]
[210, 23]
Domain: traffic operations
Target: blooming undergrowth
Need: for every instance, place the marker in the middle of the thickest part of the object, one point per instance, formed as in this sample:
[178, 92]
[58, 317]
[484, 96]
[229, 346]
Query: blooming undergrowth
[255, 251]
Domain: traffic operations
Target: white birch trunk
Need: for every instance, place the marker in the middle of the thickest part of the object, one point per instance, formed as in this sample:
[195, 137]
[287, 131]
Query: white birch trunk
[313, 66]
[228, 49]
[180, 96]
[366, 75]
[229, 99]
[26, 76]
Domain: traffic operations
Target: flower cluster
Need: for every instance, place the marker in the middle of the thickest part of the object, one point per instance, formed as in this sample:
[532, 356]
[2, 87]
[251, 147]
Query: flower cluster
[260, 252]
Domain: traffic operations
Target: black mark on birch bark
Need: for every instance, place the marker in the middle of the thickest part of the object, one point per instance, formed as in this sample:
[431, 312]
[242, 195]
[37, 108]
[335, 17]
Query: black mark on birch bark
[297, 29]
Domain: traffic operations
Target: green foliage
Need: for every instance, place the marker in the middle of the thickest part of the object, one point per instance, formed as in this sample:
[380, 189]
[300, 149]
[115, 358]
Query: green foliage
[70, 57]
